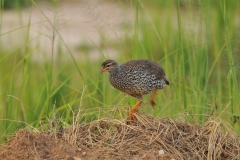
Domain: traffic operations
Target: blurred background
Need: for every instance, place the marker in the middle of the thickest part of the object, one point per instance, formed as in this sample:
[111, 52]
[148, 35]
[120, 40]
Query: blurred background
[51, 54]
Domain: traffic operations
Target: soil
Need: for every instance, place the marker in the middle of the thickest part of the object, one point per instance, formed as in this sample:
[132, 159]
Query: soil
[28, 145]
[144, 138]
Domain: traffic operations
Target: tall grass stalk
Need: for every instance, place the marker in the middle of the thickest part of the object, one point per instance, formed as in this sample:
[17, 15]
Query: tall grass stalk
[182, 57]
[135, 39]
[232, 74]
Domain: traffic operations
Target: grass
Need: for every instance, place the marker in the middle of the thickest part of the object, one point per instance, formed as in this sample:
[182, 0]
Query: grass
[197, 43]
[110, 138]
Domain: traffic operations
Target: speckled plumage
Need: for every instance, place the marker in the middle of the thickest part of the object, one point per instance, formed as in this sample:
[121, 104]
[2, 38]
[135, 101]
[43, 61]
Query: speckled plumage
[136, 77]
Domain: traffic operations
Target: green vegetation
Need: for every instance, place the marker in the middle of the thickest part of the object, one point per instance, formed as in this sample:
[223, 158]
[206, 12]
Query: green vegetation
[197, 44]
[14, 3]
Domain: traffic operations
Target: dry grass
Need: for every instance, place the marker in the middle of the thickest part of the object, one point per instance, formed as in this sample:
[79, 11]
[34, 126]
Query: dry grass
[145, 138]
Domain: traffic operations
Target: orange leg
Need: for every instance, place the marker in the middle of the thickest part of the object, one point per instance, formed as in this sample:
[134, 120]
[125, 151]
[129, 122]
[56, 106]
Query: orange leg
[135, 107]
[152, 99]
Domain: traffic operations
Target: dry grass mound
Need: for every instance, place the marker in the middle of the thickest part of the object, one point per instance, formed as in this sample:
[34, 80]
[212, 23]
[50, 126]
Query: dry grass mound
[145, 138]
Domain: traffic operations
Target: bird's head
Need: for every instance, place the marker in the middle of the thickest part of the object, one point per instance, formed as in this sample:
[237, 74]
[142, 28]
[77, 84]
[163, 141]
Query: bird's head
[108, 66]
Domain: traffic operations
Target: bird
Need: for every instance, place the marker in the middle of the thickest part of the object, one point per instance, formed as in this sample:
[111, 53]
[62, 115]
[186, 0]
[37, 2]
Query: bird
[136, 78]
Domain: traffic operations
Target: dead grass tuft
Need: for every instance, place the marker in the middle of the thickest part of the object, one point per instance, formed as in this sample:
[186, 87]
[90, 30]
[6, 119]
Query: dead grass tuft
[155, 138]
[145, 138]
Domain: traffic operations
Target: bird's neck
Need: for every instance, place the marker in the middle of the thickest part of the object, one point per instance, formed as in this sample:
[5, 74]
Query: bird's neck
[116, 72]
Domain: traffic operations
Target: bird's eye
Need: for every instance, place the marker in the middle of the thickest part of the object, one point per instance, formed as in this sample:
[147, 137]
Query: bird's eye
[108, 65]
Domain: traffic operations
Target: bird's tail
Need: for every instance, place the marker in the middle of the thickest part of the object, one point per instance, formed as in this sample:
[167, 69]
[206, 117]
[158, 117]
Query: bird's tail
[166, 80]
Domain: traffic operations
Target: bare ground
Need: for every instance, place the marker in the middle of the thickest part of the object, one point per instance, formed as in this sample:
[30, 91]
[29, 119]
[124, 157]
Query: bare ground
[145, 138]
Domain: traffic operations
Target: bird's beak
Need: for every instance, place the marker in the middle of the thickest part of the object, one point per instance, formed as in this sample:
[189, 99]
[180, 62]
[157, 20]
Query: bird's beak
[103, 70]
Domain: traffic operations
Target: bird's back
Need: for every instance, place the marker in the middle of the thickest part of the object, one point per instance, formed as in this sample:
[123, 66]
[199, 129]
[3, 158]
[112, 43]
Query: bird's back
[138, 77]
[144, 66]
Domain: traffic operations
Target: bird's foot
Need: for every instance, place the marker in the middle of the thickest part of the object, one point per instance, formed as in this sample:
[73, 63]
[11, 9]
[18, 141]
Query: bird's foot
[132, 116]
[152, 102]
[133, 110]
[152, 99]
